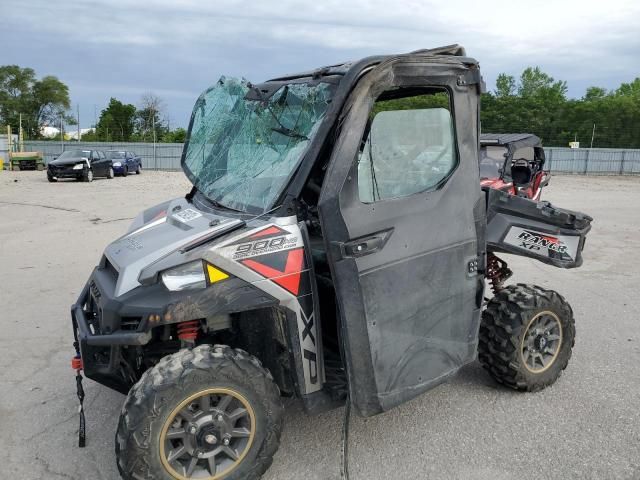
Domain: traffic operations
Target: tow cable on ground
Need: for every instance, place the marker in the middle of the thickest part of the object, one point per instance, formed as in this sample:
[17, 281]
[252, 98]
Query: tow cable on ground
[345, 440]
[76, 364]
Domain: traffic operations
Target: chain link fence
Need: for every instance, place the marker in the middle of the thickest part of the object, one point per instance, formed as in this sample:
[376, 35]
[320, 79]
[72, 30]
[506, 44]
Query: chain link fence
[161, 156]
[166, 156]
[593, 161]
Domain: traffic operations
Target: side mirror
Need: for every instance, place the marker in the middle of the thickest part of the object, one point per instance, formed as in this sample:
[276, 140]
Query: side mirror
[521, 172]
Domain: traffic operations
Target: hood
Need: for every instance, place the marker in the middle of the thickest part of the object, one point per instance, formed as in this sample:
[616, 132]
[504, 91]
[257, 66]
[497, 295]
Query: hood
[68, 161]
[497, 183]
[490, 182]
[160, 232]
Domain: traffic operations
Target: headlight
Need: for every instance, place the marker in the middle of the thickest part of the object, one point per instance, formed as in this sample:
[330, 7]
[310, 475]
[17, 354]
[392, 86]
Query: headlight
[185, 277]
[192, 275]
[78, 166]
[117, 164]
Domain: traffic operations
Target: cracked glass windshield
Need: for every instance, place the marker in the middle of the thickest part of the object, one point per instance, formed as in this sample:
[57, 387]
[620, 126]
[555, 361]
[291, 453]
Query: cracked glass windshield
[245, 142]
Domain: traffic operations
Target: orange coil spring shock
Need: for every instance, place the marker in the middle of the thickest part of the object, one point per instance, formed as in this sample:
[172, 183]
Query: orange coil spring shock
[497, 272]
[188, 331]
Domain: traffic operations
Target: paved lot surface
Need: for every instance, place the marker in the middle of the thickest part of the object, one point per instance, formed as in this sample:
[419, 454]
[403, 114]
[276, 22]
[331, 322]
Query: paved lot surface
[587, 426]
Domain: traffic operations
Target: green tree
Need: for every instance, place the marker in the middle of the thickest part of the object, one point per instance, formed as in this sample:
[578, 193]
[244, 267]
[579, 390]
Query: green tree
[535, 83]
[505, 85]
[150, 123]
[594, 93]
[631, 90]
[117, 122]
[179, 135]
[40, 102]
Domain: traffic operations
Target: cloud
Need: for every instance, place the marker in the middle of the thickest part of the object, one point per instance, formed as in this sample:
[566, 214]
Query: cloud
[179, 47]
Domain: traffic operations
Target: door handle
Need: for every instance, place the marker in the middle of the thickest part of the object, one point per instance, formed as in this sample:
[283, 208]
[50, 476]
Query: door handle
[365, 245]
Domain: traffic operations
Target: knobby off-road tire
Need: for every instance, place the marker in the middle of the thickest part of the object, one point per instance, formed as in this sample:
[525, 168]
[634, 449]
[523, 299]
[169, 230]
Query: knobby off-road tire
[149, 413]
[518, 337]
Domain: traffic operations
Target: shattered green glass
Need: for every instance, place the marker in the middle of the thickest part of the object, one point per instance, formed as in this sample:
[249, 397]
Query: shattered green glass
[242, 151]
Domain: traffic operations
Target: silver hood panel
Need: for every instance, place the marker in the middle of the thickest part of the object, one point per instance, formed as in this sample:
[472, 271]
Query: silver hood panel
[179, 225]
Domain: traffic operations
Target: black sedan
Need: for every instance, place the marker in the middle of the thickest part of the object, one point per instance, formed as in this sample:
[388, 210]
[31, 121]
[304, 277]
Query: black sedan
[81, 165]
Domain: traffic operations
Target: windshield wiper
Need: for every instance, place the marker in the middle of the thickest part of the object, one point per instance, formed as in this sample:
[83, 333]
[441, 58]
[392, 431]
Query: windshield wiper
[221, 206]
[289, 133]
[280, 128]
[211, 201]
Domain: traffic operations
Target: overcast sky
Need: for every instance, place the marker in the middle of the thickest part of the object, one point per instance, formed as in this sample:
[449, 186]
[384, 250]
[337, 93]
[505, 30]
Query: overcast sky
[176, 48]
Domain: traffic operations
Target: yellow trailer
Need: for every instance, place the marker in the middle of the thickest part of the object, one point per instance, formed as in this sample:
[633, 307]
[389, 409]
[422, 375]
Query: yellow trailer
[26, 160]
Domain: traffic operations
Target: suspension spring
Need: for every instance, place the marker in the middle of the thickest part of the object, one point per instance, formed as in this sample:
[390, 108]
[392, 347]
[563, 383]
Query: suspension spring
[188, 331]
[497, 272]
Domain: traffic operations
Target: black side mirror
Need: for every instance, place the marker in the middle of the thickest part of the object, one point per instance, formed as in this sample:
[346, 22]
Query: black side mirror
[521, 172]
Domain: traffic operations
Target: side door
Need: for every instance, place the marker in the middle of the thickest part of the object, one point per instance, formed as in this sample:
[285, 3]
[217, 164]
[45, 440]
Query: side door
[105, 163]
[402, 214]
[128, 159]
[94, 159]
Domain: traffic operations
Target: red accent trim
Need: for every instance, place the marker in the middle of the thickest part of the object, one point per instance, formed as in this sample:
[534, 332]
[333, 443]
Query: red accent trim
[160, 214]
[76, 363]
[289, 279]
[188, 331]
[551, 239]
[268, 231]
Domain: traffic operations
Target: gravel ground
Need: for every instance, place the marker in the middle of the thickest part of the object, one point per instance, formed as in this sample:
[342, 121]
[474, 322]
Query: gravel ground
[586, 426]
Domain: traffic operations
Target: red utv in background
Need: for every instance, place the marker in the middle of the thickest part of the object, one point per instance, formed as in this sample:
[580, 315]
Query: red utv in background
[512, 162]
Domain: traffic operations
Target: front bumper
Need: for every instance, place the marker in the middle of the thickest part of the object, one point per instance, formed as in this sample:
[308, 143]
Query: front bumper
[65, 172]
[119, 170]
[111, 330]
[106, 326]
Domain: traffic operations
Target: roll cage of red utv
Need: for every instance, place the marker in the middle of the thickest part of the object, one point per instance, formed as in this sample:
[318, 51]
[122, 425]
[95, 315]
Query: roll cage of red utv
[521, 172]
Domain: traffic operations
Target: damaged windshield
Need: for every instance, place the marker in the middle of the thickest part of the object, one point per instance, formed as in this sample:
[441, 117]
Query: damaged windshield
[245, 141]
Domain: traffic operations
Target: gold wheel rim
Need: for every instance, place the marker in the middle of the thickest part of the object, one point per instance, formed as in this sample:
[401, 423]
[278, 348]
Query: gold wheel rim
[541, 332]
[227, 392]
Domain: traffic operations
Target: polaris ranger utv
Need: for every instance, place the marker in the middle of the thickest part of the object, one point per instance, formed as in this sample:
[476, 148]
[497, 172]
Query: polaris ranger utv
[513, 162]
[335, 247]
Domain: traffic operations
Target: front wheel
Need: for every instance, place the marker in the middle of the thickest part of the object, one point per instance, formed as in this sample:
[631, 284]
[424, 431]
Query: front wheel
[211, 413]
[526, 337]
[88, 176]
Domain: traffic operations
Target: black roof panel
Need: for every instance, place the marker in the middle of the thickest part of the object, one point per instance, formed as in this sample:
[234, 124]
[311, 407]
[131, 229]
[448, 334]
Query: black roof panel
[522, 139]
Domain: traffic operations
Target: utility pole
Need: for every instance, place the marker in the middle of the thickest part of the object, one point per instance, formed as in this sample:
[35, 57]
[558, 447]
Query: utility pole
[20, 136]
[593, 134]
[153, 123]
[78, 107]
[61, 134]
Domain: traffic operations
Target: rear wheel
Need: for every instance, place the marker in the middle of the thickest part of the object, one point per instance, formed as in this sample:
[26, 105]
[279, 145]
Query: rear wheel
[208, 413]
[138, 169]
[51, 178]
[526, 337]
[110, 173]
